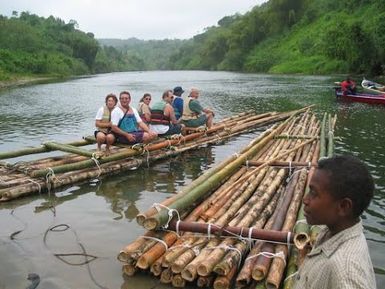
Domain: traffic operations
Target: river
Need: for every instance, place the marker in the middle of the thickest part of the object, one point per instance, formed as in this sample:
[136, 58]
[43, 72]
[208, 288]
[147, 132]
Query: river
[100, 215]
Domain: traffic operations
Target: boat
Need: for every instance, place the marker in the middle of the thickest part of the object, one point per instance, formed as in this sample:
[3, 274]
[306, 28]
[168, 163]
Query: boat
[361, 97]
[372, 87]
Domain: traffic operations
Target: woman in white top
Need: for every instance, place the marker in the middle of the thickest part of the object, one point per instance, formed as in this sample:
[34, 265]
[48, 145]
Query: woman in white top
[103, 134]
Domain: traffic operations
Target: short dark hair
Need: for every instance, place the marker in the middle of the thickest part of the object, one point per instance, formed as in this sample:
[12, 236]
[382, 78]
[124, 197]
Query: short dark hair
[125, 92]
[349, 178]
[113, 96]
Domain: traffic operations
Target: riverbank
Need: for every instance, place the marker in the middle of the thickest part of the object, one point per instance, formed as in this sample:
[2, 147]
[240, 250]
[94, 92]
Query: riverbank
[25, 80]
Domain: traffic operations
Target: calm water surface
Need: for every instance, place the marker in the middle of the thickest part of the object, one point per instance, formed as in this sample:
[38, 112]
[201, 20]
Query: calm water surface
[100, 215]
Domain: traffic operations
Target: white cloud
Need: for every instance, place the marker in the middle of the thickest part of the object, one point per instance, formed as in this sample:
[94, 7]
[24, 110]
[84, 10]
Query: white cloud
[144, 19]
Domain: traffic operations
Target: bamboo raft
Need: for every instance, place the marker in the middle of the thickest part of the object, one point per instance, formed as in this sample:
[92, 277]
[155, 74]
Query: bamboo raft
[236, 223]
[79, 164]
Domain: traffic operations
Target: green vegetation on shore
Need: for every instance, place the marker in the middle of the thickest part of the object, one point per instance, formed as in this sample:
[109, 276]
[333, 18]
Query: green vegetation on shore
[294, 36]
[279, 36]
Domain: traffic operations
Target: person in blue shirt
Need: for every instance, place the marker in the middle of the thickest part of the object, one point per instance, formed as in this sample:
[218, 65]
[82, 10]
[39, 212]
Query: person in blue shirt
[178, 101]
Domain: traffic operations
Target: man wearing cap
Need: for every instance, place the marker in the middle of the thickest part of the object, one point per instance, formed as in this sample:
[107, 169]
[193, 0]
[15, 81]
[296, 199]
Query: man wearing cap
[178, 101]
[194, 115]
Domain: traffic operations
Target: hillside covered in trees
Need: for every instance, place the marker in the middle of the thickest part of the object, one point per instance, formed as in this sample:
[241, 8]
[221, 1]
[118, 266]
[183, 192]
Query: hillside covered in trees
[293, 36]
[33, 45]
[280, 36]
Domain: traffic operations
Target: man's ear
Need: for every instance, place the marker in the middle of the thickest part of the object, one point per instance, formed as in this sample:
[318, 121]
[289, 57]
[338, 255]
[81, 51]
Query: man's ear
[345, 207]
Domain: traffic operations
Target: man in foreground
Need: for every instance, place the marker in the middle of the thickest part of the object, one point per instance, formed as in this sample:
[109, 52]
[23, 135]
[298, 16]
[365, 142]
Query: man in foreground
[126, 123]
[340, 190]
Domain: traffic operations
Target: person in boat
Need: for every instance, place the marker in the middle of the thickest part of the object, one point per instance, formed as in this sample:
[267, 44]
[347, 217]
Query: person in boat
[194, 115]
[144, 108]
[103, 134]
[178, 101]
[163, 120]
[348, 86]
[127, 125]
[340, 190]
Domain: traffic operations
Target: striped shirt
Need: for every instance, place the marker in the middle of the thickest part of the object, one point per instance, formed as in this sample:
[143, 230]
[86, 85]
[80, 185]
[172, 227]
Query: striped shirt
[341, 261]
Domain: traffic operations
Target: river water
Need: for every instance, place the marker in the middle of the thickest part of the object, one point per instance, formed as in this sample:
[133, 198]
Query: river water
[100, 215]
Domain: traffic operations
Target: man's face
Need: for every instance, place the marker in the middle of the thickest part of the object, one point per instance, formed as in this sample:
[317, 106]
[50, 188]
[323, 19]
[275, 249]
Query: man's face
[194, 93]
[125, 100]
[320, 207]
[169, 97]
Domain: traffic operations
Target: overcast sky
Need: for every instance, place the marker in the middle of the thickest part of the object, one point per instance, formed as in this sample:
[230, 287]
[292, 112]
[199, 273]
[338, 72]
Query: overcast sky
[144, 19]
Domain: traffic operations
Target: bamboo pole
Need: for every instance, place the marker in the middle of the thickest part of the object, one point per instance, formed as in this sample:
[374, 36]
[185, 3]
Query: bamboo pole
[283, 164]
[36, 150]
[129, 269]
[189, 273]
[274, 277]
[224, 282]
[69, 149]
[267, 235]
[146, 260]
[177, 281]
[205, 281]
[166, 276]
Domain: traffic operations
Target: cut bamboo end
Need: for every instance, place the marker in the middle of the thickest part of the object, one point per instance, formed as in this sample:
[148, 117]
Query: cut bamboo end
[156, 268]
[205, 281]
[242, 283]
[143, 263]
[150, 223]
[177, 268]
[189, 273]
[177, 281]
[221, 283]
[258, 273]
[301, 240]
[166, 276]
[204, 269]
[271, 285]
[221, 271]
[140, 218]
[129, 269]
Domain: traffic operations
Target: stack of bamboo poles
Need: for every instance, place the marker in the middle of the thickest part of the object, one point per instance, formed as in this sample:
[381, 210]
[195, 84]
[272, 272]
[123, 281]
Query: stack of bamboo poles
[42, 175]
[260, 188]
[306, 235]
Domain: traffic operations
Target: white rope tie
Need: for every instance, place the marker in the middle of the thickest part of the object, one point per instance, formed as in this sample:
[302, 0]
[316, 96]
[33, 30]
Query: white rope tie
[247, 164]
[156, 239]
[231, 248]
[97, 164]
[170, 213]
[177, 227]
[249, 237]
[288, 239]
[309, 165]
[291, 276]
[269, 255]
[209, 231]
[38, 185]
[236, 155]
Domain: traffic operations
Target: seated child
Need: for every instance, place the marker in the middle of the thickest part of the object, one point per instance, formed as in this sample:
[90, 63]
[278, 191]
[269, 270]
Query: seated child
[340, 190]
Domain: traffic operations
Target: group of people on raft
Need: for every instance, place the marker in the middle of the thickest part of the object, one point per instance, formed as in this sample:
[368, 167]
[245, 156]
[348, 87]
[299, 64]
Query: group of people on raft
[174, 114]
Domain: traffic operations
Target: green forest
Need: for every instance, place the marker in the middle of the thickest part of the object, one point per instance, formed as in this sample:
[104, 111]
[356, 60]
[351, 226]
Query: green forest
[280, 36]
